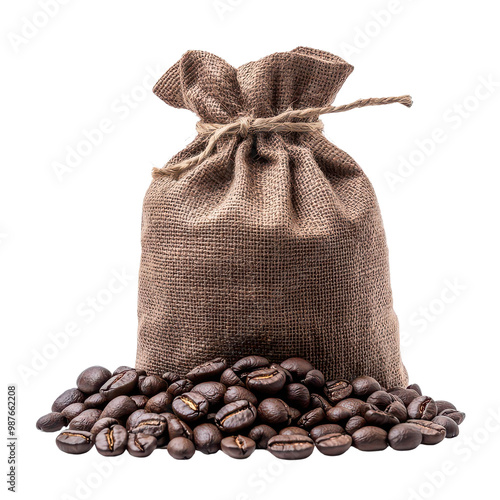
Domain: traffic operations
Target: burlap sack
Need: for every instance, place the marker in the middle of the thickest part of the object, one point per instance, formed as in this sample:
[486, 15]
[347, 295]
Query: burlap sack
[274, 245]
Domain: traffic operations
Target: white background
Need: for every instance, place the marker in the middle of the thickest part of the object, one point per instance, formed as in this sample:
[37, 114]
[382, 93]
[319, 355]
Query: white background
[63, 238]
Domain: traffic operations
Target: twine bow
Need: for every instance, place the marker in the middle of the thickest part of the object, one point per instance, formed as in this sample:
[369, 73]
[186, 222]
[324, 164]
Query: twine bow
[246, 125]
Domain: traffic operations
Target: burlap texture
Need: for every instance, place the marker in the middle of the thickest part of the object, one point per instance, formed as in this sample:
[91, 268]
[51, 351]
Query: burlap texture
[275, 244]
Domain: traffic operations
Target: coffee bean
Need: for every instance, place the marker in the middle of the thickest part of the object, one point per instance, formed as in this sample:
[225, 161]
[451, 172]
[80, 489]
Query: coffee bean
[293, 431]
[181, 448]
[66, 398]
[274, 411]
[122, 369]
[312, 418]
[51, 422]
[103, 423]
[380, 419]
[422, 407]
[141, 445]
[431, 433]
[180, 387]
[355, 406]
[364, 386]
[120, 384]
[298, 367]
[249, 364]
[85, 421]
[235, 416]
[406, 395]
[119, 407]
[336, 390]
[170, 377]
[334, 444]
[404, 437]
[294, 414]
[457, 416]
[133, 418]
[324, 429]
[266, 381]
[140, 400]
[112, 441]
[288, 375]
[159, 403]
[416, 388]
[75, 442]
[73, 410]
[92, 379]
[398, 410]
[238, 446]
[318, 401]
[229, 378]
[237, 393]
[212, 391]
[151, 424]
[442, 405]
[338, 415]
[355, 423]
[291, 447]
[207, 371]
[207, 438]
[314, 379]
[151, 385]
[382, 399]
[261, 434]
[190, 406]
[450, 425]
[370, 438]
[97, 400]
[297, 395]
[178, 428]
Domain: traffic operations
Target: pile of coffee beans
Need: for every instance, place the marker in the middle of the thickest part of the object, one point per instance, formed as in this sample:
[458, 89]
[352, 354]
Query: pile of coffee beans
[288, 409]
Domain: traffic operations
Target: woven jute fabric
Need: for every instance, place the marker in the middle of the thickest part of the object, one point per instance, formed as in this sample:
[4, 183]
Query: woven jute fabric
[274, 244]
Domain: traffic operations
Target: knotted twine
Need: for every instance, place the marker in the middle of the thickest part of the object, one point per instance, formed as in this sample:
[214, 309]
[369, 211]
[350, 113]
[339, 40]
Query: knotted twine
[281, 123]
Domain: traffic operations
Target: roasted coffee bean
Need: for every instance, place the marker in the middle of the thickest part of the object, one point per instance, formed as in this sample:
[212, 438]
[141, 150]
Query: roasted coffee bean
[141, 445]
[297, 395]
[238, 446]
[249, 364]
[339, 415]
[336, 390]
[190, 406]
[314, 379]
[170, 377]
[431, 433]
[235, 416]
[133, 418]
[180, 387]
[404, 437]
[355, 406]
[73, 410]
[119, 408]
[355, 423]
[51, 422]
[312, 418]
[382, 399]
[75, 442]
[120, 384]
[416, 388]
[298, 367]
[274, 411]
[150, 423]
[457, 416]
[288, 375]
[178, 428]
[211, 370]
[112, 441]
[450, 425]
[422, 407]
[324, 429]
[237, 393]
[140, 378]
[85, 421]
[181, 448]
[97, 400]
[261, 434]
[266, 381]
[122, 369]
[370, 438]
[291, 447]
[406, 395]
[92, 379]
[398, 410]
[380, 419]
[229, 378]
[318, 401]
[159, 403]
[66, 398]
[212, 391]
[364, 386]
[442, 405]
[333, 444]
[151, 385]
[294, 414]
[207, 438]
[103, 423]
[140, 400]
[293, 431]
